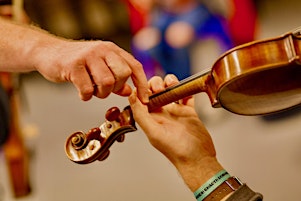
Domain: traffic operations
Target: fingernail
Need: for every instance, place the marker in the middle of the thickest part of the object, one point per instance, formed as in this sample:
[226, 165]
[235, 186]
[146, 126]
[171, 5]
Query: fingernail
[170, 79]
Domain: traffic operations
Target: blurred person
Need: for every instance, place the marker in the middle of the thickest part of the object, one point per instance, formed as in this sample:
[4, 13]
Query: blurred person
[178, 133]
[171, 28]
[241, 17]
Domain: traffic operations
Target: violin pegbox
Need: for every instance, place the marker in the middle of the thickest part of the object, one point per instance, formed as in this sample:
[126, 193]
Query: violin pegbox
[94, 145]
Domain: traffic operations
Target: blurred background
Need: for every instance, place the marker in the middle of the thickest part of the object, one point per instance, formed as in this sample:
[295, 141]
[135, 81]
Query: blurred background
[264, 152]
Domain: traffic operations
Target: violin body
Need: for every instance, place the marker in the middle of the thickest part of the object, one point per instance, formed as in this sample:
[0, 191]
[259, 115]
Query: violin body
[256, 78]
[259, 78]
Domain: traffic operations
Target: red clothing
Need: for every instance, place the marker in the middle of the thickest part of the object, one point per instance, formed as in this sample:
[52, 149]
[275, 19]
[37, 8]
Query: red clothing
[243, 22]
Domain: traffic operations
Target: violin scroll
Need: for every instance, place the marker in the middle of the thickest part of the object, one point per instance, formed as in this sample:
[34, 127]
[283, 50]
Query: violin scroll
[94, 145]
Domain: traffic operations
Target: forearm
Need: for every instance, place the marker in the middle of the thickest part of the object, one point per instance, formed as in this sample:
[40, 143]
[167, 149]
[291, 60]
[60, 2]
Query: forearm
[20, 45]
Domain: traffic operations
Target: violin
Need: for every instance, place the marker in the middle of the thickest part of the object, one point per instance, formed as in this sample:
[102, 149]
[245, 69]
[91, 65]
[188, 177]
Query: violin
[256, 78]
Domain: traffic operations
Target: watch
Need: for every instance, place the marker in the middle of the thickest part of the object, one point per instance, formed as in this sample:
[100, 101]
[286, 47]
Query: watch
[227, 187]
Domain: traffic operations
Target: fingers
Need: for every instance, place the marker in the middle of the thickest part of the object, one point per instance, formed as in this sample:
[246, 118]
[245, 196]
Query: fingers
[96, 80]
[140, 112]
[105, 68]
[81, 80]
[137, 74]
[170, 80]
[110, 75]
[123, 65]
[120, 70]
[156, 84]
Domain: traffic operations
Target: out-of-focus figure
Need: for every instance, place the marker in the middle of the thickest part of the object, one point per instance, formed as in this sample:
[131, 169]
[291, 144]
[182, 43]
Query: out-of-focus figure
[164, 31]
[170, 29]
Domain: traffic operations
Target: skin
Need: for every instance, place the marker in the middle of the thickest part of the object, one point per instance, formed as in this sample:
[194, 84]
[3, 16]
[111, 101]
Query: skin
[177, 132]
[94, 67]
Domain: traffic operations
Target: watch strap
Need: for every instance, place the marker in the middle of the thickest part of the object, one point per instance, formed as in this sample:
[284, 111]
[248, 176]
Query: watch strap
[227, 187]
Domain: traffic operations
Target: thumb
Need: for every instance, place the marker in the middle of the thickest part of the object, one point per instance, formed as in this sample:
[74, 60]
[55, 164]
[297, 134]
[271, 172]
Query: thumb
[140, 112]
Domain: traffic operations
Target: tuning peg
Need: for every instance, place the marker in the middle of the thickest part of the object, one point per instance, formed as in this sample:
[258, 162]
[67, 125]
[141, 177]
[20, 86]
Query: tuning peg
[94, 133]
[113, 114]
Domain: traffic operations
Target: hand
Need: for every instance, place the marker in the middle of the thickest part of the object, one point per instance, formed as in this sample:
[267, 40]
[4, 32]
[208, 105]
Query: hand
[177, 132]
[94, 67]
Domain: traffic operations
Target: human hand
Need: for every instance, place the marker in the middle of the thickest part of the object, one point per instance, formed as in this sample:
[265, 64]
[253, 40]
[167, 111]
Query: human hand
[177, 132]
[94, 67]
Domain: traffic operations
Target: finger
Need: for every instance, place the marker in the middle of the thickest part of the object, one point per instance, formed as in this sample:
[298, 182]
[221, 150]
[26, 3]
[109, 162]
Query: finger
[141, 114]
[190, 101]
[156, 84]
[149, 123]
[102, 78]
[121, 72]
[125, 91]
[170, 80]
[138, 76]
[81, 80]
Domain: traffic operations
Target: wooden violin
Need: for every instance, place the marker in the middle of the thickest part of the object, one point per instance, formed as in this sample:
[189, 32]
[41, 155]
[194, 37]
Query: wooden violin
[256, 78]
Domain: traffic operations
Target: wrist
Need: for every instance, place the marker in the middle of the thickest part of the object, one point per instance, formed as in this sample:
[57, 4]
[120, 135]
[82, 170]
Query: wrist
[218, 188]
[41, 47]
[210, 185]
[200, 172]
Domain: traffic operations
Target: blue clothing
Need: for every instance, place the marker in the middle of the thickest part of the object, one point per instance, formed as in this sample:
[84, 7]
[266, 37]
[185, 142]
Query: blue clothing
[177, 60]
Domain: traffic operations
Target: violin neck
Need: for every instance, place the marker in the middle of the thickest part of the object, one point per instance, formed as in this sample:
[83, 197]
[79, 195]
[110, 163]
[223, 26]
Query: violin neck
[187, 87]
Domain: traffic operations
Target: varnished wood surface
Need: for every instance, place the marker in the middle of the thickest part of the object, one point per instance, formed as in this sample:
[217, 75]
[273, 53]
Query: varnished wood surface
[256, 78]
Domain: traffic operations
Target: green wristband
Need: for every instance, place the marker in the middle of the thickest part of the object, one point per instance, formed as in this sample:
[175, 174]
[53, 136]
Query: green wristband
[211, 185]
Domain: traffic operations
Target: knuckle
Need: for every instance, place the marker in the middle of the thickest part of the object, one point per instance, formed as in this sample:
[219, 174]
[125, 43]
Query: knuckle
[137, 65]
[108, 81]
[127, 72]
[109, 44]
